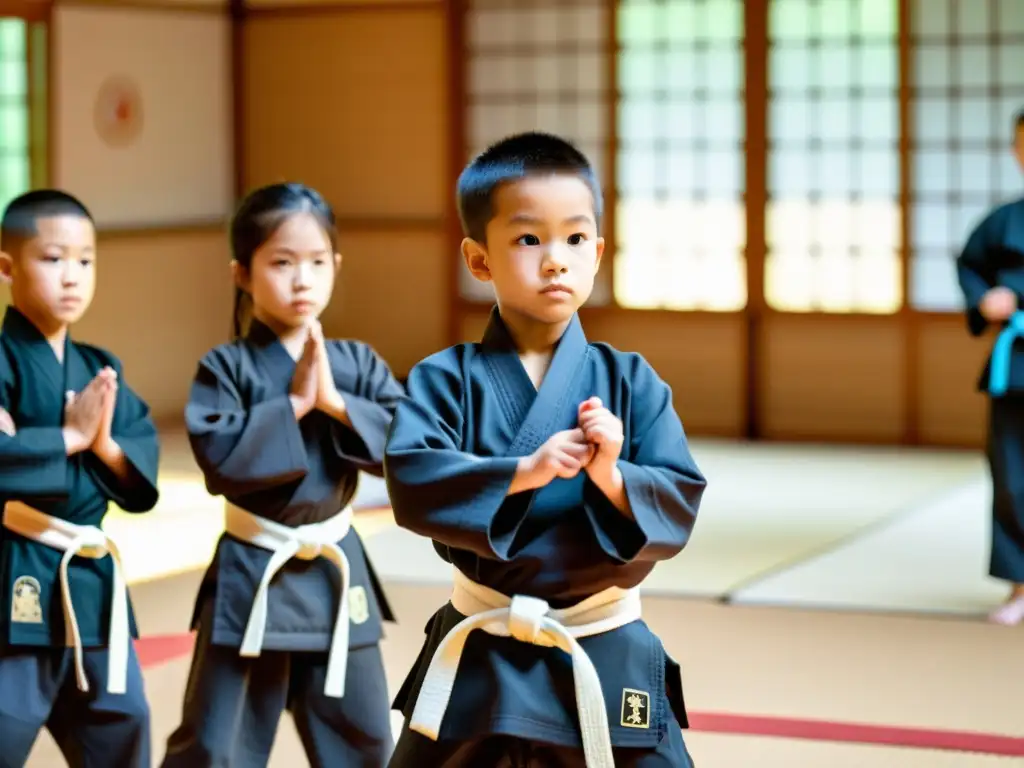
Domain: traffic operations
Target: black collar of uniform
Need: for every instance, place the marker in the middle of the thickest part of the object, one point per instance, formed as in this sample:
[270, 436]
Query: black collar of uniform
[17, 326]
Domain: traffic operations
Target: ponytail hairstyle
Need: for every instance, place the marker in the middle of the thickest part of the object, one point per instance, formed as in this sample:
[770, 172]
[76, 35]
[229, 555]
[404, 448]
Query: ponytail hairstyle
[258, 217]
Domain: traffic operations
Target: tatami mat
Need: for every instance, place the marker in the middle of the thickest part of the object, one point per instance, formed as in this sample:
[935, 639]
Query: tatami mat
[766, 508]
[779, 524]
[934, 559]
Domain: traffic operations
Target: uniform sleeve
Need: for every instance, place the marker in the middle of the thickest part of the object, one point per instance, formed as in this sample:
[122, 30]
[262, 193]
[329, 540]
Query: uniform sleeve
[976, 276]
[33, 463]
[437, 489]
[370, 409]
[662, 481]
[241, 449]
[133, 430]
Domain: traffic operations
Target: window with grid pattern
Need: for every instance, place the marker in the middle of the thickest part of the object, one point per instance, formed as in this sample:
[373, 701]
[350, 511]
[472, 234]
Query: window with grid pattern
[15, 157]
[680, 221]
[967, 85]
[537, 65]
[833, 216]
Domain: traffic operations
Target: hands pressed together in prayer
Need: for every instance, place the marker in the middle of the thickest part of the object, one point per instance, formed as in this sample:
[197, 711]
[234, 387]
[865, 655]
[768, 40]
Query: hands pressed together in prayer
[88, 422]
[593, 447]
[313, 385]
[89, 416]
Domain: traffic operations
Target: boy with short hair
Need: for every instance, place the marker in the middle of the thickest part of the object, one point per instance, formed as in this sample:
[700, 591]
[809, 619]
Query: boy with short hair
[553, 474]
[73, 438]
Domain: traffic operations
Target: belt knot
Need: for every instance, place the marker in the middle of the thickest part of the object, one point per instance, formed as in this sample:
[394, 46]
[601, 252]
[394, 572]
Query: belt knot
[526, 618]
[309, 549]
[90, 544]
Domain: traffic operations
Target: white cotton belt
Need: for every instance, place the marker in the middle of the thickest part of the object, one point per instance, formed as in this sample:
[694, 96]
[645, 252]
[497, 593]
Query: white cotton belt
[530, 620]
[305, 542]
[80, 541]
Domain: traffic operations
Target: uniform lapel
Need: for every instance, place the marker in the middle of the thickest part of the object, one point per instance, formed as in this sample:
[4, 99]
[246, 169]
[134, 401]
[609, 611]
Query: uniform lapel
[47, 380]
[535, 414]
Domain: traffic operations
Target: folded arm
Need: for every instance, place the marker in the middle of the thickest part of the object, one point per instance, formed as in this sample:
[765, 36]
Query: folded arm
[659, 479]
[437, 489]
[33, 463]
[241, 448]
[33, 460]
[976, 275]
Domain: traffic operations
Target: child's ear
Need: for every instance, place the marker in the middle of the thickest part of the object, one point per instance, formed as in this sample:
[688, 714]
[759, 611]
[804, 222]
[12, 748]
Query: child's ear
[337, 262]
[6, 267]
[475, 256]
[240, 275]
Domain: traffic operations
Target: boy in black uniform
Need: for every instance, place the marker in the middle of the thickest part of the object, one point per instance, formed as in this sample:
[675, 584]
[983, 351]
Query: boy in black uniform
[76, 439]
[552, 473]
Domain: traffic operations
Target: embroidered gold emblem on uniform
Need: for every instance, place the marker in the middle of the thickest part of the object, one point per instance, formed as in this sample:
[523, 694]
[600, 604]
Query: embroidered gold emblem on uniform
[636, 709]
[26, 605]
[358, 606]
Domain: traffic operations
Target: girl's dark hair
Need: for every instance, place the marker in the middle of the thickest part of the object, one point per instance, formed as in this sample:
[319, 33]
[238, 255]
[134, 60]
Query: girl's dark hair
[259, 216]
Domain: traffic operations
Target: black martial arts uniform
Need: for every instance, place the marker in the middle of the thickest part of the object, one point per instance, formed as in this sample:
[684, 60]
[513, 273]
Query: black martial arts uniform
[455, 443]
[994, 256]
[253, 452]
[38, 686]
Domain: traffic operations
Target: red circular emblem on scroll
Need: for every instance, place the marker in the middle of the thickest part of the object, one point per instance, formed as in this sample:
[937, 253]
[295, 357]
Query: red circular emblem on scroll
[118, 111]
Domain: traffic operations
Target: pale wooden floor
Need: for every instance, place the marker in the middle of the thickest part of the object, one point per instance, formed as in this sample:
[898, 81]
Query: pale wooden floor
[855, 527]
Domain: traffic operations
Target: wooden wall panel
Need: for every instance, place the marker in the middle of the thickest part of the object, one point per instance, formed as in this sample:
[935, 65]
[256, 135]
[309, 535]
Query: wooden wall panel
[473, 322]
[178, 169]
[162, 300]
[701, 356]
[198, 6]
[293, 5]
[832, 377]
[391, 293]
[951, 411]
[353, 104]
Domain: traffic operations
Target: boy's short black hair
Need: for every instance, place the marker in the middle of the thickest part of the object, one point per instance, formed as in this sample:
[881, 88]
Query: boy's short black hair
[23, 212]
[511, 159]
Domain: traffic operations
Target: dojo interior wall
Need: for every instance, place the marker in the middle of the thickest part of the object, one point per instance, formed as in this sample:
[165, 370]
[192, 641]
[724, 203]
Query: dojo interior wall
[349, 100]
[358, 100]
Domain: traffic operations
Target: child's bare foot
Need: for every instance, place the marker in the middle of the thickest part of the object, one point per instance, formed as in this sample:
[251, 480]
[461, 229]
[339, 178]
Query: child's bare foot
[1011, 612]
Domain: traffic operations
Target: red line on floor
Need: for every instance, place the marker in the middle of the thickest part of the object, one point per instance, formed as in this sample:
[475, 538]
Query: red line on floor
[855, 733]
[157, 649]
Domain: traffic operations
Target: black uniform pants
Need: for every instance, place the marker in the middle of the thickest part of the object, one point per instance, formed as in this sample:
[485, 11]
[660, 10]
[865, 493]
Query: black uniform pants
[93, 730]
[233, 705]
[1006, 462]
